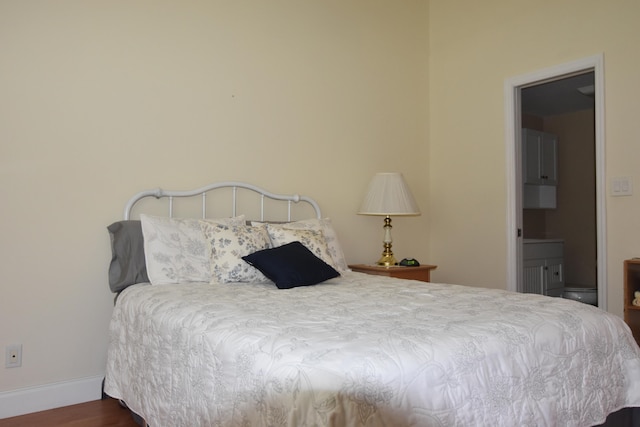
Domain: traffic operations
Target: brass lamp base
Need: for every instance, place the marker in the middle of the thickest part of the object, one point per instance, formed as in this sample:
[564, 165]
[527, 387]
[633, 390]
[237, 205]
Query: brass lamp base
[387, 260]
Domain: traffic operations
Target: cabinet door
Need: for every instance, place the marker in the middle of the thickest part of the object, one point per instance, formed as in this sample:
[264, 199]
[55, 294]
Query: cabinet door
[549, 159]
[554, 275]
[533, 272]
[539, 158]
[531, 154]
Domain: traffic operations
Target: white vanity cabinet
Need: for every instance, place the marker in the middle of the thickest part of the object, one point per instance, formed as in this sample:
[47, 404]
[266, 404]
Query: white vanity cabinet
[539, 169]
[543, 267]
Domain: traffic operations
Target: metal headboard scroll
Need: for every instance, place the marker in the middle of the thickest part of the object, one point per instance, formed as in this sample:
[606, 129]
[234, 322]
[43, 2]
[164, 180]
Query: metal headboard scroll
[159, 193]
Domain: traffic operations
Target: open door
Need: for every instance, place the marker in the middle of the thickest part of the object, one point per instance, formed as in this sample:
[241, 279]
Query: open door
[513, 121]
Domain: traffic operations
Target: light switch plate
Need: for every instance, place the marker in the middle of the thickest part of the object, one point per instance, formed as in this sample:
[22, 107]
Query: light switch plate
[622, 186]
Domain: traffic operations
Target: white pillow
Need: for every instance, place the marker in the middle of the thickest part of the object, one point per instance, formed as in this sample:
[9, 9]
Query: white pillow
[175, 248]
[324, 225]
[313, 239]
[228, 245]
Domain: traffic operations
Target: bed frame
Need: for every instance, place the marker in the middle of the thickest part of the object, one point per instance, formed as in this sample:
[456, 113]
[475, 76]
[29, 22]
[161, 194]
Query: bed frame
[234, 186]
[624, 417]
[207, 193]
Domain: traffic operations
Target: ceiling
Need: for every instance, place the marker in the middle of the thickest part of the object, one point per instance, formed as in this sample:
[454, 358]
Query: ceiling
[558, 96]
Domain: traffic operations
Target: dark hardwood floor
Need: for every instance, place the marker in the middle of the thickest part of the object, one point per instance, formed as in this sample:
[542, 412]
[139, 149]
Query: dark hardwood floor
[108, 412]
[98, 413]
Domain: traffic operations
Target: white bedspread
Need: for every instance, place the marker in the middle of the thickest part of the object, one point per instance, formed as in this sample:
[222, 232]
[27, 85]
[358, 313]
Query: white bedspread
[366, 351]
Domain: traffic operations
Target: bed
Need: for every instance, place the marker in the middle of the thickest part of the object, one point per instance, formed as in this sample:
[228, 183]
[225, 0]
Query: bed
[266, 341]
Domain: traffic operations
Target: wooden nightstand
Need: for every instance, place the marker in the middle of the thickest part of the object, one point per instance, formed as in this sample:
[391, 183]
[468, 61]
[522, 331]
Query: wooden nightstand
[422, 273]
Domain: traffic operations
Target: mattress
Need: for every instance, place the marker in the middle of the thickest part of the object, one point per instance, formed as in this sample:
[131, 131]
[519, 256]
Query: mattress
[364, 350]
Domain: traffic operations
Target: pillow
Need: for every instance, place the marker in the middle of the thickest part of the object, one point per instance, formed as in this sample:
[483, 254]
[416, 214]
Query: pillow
[127, 265]
[324, 225]
[313, 239]
[291, 265]
[228, 245]
[176, 250]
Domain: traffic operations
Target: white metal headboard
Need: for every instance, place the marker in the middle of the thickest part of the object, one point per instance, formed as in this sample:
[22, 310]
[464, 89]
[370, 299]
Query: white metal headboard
[202, 192]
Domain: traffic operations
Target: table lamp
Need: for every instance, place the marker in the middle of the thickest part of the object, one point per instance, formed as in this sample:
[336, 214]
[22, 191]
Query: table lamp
[388, 195]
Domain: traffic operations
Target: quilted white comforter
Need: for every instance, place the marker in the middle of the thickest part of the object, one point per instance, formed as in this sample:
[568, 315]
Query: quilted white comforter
[366, 351]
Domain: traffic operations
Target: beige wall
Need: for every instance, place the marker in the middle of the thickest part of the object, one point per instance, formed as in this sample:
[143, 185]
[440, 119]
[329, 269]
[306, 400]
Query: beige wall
[99, 100]
[474, 48]
[102, 99]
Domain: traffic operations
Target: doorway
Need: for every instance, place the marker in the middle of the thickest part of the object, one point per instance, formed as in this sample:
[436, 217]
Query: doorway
[526, 99]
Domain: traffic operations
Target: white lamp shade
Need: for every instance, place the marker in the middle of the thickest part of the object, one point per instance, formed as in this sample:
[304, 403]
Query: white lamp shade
[389, 194]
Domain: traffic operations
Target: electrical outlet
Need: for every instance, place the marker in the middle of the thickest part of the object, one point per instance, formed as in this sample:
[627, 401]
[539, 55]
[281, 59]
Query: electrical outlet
[13, 356]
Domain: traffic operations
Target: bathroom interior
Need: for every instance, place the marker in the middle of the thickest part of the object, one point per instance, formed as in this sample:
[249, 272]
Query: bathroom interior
[567, 213]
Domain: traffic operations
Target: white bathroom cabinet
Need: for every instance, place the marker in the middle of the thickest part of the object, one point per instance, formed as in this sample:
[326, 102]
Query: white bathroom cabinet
[539, 169]
[542, 264]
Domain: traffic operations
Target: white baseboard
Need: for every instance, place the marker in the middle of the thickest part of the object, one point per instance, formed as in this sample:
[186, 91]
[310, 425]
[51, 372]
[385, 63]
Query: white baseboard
[49, 396]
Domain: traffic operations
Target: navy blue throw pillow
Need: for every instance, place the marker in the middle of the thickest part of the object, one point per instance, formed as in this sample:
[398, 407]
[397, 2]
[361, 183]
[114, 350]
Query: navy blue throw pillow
[291, 265]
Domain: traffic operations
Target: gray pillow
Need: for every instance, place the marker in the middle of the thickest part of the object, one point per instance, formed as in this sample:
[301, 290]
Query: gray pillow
[127, 265]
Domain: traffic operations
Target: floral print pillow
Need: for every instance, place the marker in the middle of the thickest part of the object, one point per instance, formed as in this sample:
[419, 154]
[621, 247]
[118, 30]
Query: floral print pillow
[228, 244]
[313, 239]
[325, 226]
[175, 248]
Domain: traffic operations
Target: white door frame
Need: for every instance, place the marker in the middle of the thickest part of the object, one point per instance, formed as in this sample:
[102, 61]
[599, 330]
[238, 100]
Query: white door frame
[512, 89]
